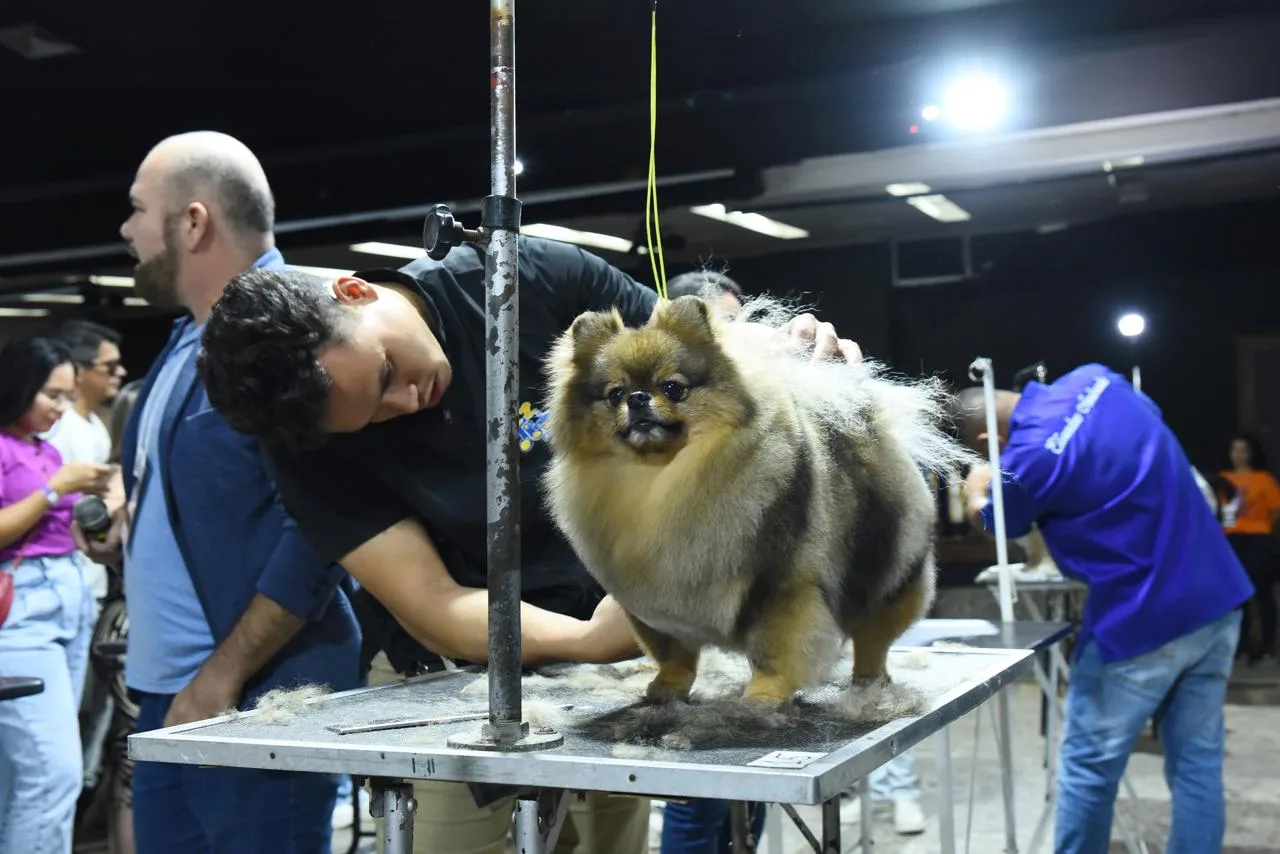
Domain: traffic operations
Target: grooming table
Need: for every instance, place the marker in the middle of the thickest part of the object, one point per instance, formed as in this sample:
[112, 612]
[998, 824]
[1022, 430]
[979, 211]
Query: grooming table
[798, 769]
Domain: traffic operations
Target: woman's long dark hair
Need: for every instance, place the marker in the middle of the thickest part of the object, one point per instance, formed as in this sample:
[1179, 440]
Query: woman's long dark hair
[1257, 456]
[25, 365]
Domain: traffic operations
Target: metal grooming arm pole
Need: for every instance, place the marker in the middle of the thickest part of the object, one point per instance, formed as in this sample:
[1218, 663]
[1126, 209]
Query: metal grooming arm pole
[981, 369]
[538, 815]
[499, 229]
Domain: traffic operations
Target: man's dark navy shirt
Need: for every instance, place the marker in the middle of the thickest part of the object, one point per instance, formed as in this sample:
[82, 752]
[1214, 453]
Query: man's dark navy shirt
[431, 465]
[1090, 459]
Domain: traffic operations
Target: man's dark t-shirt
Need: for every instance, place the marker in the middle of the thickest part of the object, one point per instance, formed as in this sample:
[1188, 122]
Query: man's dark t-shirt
[431, 465]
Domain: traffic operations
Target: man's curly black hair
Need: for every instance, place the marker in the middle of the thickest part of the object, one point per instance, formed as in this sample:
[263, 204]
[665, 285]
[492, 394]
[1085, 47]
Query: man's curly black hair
[258, 355]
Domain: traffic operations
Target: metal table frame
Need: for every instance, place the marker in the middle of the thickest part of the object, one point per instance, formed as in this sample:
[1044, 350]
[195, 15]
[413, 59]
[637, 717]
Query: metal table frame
[810, 779]
[1036, 637]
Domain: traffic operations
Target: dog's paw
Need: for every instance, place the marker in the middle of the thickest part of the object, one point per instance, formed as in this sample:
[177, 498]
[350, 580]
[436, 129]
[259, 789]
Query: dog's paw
[862, 680]
[662, 691]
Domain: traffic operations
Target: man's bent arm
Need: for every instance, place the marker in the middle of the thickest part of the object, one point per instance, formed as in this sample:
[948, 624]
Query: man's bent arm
[262, 631]
[402, 569]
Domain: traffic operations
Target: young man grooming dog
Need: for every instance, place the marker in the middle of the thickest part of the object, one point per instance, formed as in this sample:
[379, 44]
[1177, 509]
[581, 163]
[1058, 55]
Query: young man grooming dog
[369, 392]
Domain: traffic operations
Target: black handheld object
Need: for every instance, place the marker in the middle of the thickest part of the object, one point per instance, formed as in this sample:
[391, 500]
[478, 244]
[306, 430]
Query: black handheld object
[1036, 372]
[93, 517]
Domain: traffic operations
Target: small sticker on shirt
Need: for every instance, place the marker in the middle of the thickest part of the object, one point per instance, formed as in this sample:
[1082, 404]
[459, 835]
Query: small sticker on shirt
[532, 426]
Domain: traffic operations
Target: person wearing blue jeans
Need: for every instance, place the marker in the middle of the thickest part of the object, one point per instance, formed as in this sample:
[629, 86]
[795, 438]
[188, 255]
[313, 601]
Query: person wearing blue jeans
[701, 826]
[227, 600]
[45, 633]
[1090, 460]
[1183, 686]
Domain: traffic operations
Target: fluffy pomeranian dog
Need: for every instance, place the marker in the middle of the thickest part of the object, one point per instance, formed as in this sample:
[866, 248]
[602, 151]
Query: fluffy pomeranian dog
[730, 494]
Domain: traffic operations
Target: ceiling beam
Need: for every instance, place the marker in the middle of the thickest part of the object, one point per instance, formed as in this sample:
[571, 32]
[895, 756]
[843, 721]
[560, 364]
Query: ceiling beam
[1037, 155]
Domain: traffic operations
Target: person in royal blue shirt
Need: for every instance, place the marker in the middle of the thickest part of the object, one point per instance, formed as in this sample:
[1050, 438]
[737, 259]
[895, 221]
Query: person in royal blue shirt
[1090, 460]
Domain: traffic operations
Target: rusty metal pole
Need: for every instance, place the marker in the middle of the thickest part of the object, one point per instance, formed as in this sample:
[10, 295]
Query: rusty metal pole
[500, 228]
[502, 334]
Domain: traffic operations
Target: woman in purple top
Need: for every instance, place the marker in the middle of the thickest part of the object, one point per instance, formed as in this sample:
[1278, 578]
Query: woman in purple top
[47, 631]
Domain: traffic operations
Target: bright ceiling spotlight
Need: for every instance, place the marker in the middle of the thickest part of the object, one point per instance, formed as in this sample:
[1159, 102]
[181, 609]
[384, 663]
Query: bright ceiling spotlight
[1131, 325]
[975, 103]
[931, 113]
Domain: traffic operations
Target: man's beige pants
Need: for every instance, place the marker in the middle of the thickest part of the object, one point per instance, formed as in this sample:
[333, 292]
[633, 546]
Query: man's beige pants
[449, 822]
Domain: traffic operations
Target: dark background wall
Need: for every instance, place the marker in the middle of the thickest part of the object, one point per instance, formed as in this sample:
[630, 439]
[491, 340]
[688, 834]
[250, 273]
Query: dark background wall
[1200, 280]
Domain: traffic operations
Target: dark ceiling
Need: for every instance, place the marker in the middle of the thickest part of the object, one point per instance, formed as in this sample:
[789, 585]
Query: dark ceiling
[383, 104]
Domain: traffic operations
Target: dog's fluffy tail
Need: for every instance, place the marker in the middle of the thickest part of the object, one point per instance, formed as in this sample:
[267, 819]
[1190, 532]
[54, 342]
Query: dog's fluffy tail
[915, 412]
[857, 397]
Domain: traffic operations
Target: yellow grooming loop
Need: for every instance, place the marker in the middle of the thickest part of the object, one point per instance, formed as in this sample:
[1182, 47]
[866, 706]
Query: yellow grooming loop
[652, 228]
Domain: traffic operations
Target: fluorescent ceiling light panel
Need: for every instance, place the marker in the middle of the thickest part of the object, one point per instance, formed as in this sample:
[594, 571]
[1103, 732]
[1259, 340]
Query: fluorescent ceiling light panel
[66, 299]
[1123, 163]
[389, 250]
[940, 208]
[112, 281]
[135, 302]
[910, 188]
[24, 312]
[750, 221]
[572, 235]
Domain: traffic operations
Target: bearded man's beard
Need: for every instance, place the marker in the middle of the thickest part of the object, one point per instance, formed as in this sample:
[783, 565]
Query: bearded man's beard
[155, 279]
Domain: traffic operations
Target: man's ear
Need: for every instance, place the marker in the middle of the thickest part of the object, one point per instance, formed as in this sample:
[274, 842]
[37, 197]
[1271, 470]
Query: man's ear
[688, 318]
[591, 331]
[353, 291]
[194, 225]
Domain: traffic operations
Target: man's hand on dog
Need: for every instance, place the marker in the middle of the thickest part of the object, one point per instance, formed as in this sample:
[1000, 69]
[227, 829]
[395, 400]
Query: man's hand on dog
[804, 331]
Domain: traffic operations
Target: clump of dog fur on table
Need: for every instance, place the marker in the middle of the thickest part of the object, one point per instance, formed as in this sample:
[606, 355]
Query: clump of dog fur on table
[731, 492]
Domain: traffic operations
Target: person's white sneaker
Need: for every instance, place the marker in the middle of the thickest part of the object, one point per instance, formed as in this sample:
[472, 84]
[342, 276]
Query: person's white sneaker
[850, 809]
[344, 815]
[908, 816]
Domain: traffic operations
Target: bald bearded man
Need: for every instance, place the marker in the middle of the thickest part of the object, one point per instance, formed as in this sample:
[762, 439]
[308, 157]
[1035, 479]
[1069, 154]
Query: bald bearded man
[226, 598]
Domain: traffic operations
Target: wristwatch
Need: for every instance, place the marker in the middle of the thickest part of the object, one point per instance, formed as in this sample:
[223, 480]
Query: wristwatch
[51, 495]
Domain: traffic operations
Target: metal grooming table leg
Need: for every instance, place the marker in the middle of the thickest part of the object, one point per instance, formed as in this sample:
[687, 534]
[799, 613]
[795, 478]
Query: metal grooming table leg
[539, 819]
[393, 802]
[1006, 772]
[946, 794]
[740, 826]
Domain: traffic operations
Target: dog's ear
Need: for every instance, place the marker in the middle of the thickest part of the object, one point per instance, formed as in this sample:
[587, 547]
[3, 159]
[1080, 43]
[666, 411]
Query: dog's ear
[591, 331]
[688, 318]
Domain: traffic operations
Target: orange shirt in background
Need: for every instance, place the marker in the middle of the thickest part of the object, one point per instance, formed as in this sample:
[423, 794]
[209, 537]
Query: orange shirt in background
[1259, 497]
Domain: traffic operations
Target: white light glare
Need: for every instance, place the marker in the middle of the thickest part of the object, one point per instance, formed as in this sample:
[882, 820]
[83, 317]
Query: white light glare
[593, 239]
[388, 250]
[518, 167]
[975, 103]
[1131, 325]
[931, 113]
[751, 221]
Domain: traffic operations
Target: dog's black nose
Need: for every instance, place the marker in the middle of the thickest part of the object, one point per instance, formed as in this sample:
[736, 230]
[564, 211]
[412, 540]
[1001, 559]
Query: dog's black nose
[638, 400]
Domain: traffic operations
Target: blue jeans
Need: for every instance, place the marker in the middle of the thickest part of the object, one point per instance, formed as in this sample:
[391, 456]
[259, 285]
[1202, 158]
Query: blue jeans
[1183, 685]
[896, 779]
[46, 635]
[701, 826]
[198, 810]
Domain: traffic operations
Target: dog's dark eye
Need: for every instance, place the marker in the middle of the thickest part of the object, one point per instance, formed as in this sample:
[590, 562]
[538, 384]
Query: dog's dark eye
[675, 390]
[616, 395]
